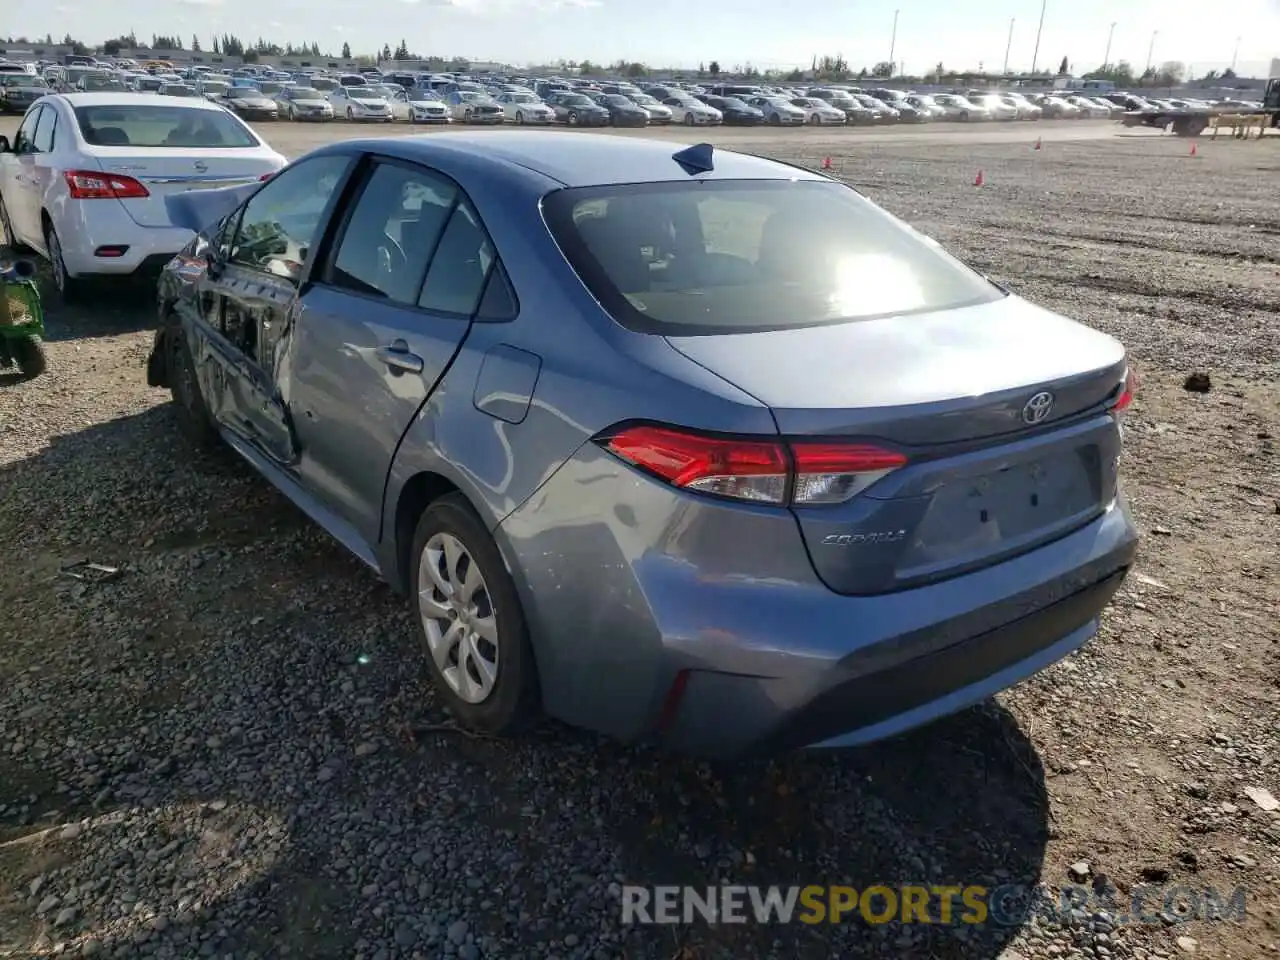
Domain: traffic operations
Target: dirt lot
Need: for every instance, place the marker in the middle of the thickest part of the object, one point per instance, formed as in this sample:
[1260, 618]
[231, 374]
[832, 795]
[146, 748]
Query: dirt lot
[204, 753]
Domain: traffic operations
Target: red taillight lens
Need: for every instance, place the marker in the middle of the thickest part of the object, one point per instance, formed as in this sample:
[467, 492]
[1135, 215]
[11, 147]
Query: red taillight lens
[1126, 393]
[95, 185]
[762, 471]
[266, 176]
[742, 469]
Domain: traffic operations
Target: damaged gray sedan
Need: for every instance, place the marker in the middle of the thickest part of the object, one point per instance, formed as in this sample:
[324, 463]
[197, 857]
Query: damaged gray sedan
[671, 443]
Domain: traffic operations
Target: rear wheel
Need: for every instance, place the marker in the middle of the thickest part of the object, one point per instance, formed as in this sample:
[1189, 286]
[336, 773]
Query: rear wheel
[814, 119]
[477, 643]
[520, 116]
[350, 115]
[573, 118]
[688, 119]
[70, 288]
[28, 354]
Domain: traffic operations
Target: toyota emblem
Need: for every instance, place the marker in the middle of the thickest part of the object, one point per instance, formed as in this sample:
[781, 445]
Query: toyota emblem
[200, 166]
[1038, 407]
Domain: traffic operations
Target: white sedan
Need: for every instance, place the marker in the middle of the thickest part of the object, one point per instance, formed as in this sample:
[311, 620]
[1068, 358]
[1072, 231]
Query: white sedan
[84, 181]
[819, 111]
[415, 106]
[359, 103]
[996, 106]
[525, 107]
[692, 112]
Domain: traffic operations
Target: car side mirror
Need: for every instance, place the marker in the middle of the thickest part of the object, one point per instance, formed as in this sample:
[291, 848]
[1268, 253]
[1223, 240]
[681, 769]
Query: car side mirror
[5, 146]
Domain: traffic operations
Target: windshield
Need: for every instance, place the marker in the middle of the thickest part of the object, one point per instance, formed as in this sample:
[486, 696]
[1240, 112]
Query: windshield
[362, 93]
[304, 93]
[20, 80]
[523, 98]
[647, 100]
[724, 256]
[618, 100]
[577, 100]
[733, 102]
[470, 96]
[135, 125]
[270, 88]
[214, 86]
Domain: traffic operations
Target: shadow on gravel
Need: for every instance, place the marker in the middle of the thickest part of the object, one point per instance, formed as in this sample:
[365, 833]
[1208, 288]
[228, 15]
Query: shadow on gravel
[204, 751]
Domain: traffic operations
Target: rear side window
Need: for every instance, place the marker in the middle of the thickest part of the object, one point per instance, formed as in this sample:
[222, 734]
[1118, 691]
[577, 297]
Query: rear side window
[460, 267]
[710, 257]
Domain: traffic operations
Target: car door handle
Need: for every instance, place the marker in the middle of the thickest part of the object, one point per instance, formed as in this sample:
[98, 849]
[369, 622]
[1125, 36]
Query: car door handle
[398, 357]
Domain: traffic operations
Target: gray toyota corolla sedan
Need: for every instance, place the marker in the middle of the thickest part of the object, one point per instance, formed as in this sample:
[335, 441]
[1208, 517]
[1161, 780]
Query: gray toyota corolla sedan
[670, 443]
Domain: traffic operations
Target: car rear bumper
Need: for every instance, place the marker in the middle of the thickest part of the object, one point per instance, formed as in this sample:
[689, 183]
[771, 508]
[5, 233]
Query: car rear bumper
[87, 227]
[701, 625]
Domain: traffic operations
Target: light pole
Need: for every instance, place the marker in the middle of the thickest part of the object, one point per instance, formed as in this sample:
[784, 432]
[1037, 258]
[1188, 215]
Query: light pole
[1234, 54]
[1035, 54]
[1007, 46]
[1151, 48]
[1106, 57]
[893, 43]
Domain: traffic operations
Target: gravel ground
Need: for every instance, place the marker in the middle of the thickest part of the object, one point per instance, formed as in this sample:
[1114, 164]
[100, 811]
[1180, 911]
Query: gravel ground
[220, 745]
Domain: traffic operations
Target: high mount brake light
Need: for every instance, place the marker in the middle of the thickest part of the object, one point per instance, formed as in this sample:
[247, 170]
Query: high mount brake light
[96, 185]
[801, 472]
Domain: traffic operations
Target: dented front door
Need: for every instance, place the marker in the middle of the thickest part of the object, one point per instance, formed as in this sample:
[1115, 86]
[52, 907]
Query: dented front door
[249, 303]
[249, 312]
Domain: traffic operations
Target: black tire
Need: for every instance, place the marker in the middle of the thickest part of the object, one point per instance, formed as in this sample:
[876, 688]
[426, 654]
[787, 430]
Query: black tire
[688, 119]
[70, 288]
[9, 238]
[514, 702]
[184, 387]
[28, 355]
[814, 119]
[573, 118]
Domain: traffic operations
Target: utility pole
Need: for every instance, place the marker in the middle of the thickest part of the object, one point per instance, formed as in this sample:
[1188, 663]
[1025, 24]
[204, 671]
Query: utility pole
[893, 42]
[1007, 47]
[1035, 54]
[1234, 54]
[1106, 57]
[1151, 49]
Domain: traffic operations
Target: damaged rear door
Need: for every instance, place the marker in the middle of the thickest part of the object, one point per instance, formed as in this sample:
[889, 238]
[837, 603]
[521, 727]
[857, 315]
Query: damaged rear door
[249, 304]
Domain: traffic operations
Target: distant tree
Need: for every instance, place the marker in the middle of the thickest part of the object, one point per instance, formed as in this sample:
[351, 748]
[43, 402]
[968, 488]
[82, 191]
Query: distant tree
[794, 76]
[702, 69]
[636, 70]
[586, 68]
[346, 51]
[250, 55]
[939, 69]
[883, 69]
[48, 39]
[386, 51]
[195, 44]
[1063, 68]
[112, 48]
[1171, 73]
[714, 68]
[862, 73]
[1120, 73]
[402, 52]
[217, 47]
[1227, 74]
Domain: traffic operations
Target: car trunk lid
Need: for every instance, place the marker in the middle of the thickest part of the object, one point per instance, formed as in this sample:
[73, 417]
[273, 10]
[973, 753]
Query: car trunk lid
[989, 472]
[180, 170]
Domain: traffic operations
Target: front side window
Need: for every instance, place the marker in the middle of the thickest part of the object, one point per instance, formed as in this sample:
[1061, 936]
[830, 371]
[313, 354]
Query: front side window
[139, 125]
[734, 256]
[22, 140]
[43, 142]
[393, 229]
[281, 222]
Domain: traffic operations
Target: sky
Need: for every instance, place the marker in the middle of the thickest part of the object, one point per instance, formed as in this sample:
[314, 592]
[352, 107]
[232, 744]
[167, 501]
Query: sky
[764, 33]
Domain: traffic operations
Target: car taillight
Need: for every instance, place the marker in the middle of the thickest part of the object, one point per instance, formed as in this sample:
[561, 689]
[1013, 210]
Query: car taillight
[1126, 392]
[266, 176]
[775, 471]
[95, 185]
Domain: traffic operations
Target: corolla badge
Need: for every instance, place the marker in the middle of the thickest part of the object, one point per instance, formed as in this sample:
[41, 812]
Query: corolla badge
[1038, 407]
[200, 166]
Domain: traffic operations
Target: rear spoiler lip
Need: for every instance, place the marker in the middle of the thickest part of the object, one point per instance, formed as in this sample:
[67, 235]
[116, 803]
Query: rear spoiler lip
[195, 210]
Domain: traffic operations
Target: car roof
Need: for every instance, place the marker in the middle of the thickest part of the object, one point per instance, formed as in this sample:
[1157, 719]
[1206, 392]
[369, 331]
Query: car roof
[118, 99]
[578, 160]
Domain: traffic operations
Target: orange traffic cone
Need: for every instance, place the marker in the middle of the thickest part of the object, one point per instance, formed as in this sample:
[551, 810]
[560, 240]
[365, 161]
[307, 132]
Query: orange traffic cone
[1037, 143]
[826, 163]
[978, 180]
[1193, 148]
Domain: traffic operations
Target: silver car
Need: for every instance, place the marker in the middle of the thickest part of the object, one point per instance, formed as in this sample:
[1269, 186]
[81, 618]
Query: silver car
[672, 443]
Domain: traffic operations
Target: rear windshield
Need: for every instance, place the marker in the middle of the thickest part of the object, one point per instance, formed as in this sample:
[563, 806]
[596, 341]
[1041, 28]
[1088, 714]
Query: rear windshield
[130, 125]
[730, 256]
